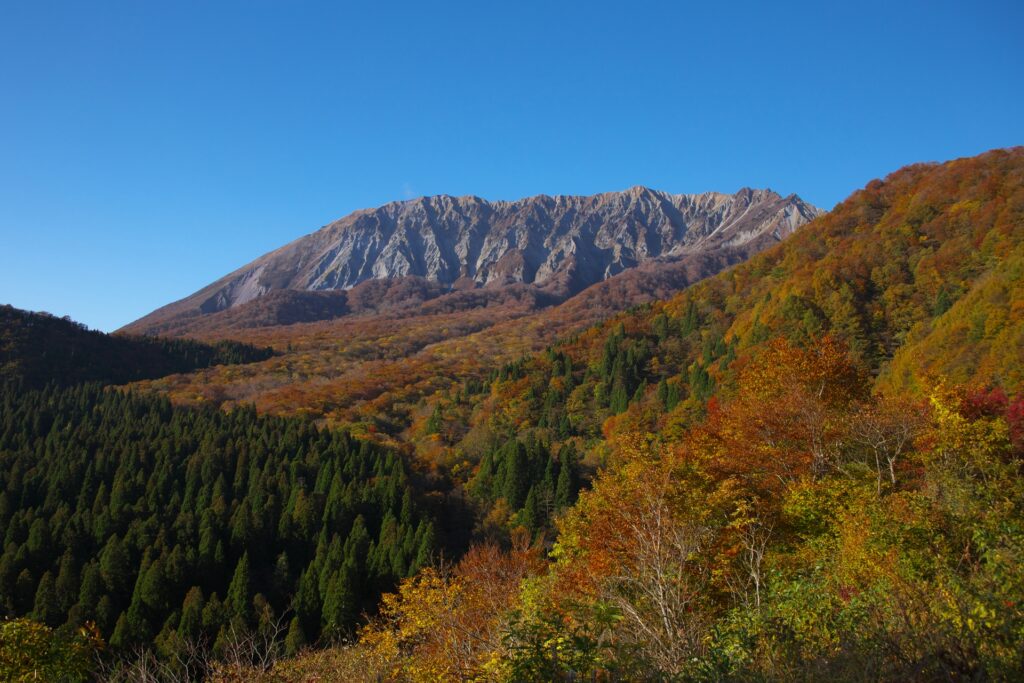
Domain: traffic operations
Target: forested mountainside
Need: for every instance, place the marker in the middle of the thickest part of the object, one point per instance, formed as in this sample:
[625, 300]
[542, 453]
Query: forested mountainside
[169, 527]
[37, 348]
[918, 274]
[436, 246]
[373, 372]
[806, 467]
[184, 530]
[888, 270]
[161, 524]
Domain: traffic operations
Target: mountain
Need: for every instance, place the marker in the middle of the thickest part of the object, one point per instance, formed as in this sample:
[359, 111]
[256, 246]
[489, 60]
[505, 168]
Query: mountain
[433, 246]
[806, 467]
[919, 275]
[821, 444]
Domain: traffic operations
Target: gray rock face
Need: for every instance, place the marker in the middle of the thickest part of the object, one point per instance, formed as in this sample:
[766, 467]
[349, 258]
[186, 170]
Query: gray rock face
[561, 243]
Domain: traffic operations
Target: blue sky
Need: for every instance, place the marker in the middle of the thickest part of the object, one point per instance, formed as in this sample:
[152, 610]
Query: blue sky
[147, 148]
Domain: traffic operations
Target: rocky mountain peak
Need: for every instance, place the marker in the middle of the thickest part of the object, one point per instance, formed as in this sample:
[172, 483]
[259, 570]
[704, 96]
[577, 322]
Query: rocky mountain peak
[561, 244]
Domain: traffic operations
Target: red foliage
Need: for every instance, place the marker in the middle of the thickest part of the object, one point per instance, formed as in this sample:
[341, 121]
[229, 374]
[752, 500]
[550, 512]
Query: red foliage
[984, 402]
[992, 402]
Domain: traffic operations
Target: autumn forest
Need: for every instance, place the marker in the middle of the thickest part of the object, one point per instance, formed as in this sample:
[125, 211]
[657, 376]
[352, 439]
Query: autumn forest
[804, 466]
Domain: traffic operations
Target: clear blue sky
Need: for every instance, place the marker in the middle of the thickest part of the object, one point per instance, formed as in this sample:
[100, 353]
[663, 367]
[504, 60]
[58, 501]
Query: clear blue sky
[147, 148]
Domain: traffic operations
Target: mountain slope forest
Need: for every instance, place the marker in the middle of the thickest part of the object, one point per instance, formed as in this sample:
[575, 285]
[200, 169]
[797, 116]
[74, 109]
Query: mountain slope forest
[366, 357]
[807, 466]
[804, 467]
[131, 522]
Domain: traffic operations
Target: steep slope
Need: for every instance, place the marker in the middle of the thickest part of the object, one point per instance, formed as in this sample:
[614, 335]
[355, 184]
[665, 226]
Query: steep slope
[375, 367]
[889, 270]
[761, 510]
[919, 274]
[559, 244]
[979, 339]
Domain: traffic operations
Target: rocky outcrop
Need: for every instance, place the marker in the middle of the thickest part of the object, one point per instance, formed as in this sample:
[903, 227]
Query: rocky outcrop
[559, 244]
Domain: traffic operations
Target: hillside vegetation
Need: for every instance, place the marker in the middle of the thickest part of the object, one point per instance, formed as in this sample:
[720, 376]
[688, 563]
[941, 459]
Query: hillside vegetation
[179, 527]
[807, 467]
[37, 349]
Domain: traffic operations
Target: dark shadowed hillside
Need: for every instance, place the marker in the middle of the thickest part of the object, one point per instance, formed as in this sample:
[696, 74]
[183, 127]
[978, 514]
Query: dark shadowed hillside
[38, 348]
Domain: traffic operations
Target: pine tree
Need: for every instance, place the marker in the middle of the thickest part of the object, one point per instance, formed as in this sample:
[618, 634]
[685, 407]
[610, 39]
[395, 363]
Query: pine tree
[190, 626]
[296, 639]
[307, 601]
[516, 477]
[340, 601]
[190, 492]
[660, 326]
[434, 422]
[153, 586]
[425, 548]
[66, 584]
[115, 566]
[39, 540]
[565, 490]
[47, 608]
[91, 590]
[619, 399]
[531, 516]
[238, 596]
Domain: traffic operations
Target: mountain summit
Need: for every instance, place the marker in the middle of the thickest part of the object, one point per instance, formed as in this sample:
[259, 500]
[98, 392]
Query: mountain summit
[559, 245]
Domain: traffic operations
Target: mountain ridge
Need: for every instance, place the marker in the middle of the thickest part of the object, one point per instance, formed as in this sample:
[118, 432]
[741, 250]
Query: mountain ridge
[561, 244]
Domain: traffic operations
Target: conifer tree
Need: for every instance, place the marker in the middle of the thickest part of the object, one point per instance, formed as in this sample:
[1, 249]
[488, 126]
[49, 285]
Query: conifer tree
[238, 595]
[47, 608]
[296, 639]
[565, 490]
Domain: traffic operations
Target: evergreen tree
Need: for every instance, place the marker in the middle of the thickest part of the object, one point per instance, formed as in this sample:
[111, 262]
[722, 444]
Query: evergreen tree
[565, 490]
[531, 516]
[115, 566]
[47, 608]
[238, 595]
[516, 476]
[196, 496]
[190, 626]
[296, 639]
[66, 584]
[153, 586]
[340, 601]
[619, 400]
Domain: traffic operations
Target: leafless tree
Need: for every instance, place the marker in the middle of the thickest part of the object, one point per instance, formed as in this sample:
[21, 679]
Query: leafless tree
[248, 654]
[661, 583]
[141, 665]
[885, 430]
[747, 581]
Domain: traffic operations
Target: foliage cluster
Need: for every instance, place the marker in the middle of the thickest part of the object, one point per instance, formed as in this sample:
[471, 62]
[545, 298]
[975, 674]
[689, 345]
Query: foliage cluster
[170, 525]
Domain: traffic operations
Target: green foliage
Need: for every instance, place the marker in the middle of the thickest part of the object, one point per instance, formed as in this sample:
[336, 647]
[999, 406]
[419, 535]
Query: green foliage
[155, 507]
[532, 482]
[30, 651]
[547, 646]
[799, 568]
[919, 274]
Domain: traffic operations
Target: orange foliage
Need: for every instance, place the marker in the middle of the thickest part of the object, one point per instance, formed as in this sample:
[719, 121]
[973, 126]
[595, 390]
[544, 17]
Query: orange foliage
[447, 624]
